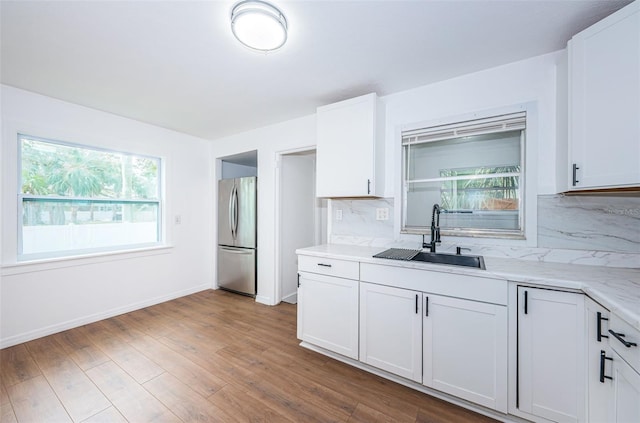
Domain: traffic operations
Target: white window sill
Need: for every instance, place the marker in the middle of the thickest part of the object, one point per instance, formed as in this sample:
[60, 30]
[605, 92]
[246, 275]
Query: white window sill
[82, 260]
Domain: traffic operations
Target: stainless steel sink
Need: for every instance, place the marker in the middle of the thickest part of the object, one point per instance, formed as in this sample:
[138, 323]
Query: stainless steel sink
[450, 259]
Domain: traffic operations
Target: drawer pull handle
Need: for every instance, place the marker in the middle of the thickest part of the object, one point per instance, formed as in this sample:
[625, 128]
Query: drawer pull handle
[603, 358]
[619, 337]
[600, 319]
[324, 265]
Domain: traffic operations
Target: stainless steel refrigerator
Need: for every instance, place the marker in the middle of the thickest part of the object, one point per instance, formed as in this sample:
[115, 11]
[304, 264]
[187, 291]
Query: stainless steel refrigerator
[237, 219]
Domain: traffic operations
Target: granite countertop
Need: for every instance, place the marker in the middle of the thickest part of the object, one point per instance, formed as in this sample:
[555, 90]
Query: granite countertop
[617, 289]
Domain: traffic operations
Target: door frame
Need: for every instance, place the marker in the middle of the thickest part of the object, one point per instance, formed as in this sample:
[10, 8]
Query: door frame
[278, 213]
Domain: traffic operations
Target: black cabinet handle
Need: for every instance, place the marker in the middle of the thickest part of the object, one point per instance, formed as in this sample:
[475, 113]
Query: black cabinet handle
[603, 358]
[526, 295]
[416, 303]
[575, 174]
[619, 337]
[298, 280]
[426, 306]
[368, 186]
[324, 265]
[600, 319]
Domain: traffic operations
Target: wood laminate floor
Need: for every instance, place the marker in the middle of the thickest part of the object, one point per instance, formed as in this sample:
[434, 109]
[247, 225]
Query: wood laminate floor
[211, 356]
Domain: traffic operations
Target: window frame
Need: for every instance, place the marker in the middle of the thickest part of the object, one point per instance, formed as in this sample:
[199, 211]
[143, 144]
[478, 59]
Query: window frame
[66, 254]
[444, 127]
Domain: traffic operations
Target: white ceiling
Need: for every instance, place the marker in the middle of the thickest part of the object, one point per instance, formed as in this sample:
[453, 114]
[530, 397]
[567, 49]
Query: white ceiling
[175, 64]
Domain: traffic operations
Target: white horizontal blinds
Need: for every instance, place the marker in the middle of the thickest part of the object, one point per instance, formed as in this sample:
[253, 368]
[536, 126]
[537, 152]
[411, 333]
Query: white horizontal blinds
[473, 169]
[492, 125]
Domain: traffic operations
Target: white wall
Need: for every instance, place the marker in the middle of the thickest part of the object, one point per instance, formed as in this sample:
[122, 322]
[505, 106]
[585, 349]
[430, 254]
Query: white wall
[46, 297]
[531, 81]
[526, 85]
[232, 170]
[191, 163]
[269, 140]
[528, 81]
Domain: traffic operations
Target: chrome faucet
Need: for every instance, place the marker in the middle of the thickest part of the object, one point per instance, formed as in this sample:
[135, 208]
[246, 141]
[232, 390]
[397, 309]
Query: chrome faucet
[435, 229]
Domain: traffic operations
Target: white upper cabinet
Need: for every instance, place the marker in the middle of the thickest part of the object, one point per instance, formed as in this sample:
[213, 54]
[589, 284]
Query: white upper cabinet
[604, 103]
[350, 149]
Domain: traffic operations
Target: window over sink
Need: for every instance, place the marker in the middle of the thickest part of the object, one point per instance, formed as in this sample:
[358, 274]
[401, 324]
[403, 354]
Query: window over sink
[474, 170]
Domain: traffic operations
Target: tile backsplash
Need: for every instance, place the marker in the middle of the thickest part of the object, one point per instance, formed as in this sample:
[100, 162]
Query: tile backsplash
[595, 230]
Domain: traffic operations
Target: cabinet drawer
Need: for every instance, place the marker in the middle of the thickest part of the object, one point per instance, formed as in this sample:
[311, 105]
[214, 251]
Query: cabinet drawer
[630, 354]
[331, 267]
[449, 284]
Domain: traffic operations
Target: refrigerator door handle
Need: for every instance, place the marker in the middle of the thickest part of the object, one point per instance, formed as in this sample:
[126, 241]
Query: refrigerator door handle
[235, 212]
[232, 212]
[237, 251]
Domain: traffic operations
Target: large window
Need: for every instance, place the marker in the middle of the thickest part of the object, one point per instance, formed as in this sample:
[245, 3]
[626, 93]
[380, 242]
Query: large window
[76, 199]
[473, 170]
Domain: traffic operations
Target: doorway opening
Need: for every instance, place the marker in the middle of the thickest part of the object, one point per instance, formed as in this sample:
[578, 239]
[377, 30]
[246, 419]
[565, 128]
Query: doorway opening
[301, 218]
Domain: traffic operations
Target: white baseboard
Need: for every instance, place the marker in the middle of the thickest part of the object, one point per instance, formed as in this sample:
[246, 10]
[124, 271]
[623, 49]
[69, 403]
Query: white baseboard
[264, 300]
[291, 298]
[70, 324]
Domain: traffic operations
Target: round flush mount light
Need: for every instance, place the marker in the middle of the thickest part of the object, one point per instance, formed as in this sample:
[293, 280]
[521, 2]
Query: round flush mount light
[259, 25]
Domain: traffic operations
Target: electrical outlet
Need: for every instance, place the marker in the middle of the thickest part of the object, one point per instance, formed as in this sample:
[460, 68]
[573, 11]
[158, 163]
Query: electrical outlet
[382, 214]
[338, 214]
[177, 219]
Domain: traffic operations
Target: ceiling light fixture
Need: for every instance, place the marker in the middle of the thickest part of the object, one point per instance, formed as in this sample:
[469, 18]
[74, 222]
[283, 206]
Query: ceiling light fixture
[259, 25]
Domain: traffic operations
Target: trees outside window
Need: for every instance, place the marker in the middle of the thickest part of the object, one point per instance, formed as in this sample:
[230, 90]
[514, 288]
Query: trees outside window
[77, 198]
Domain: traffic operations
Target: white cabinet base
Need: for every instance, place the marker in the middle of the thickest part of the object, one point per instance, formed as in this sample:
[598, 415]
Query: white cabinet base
[328, 312]
[390, 329]
[465, 349]
[626, 397]
[551, 355]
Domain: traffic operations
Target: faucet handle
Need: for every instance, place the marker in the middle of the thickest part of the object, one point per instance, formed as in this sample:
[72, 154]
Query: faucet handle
[459, 250]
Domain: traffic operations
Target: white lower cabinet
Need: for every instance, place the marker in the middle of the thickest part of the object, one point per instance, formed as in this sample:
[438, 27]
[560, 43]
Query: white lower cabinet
[460, 335]
[626, 388]
[599, 363]
[624, 340]
[465, 349]
[391, 329]
[551, 355]
[328, 313]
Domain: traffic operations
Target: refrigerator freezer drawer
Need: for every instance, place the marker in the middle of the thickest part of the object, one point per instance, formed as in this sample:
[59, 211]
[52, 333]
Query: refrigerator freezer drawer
[237, 269]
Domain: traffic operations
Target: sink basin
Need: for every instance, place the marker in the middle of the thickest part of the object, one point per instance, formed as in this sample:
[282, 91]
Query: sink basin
[451, 259]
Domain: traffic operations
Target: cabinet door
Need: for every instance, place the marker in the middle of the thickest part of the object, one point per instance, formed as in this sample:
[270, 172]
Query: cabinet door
[391, 329]
[465, 349]
[599, 362]
[328, 313]
[626, 399]
[346, 149]
[604, 102]
[551, 354]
